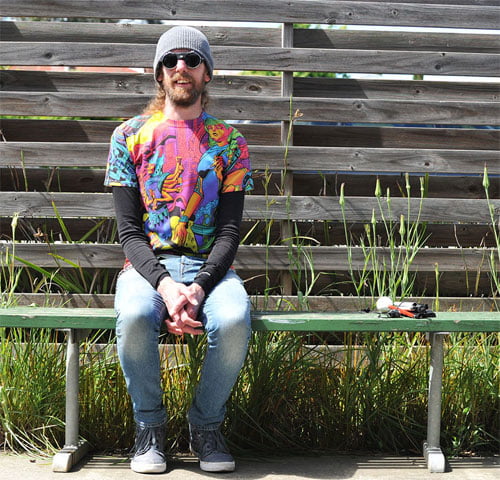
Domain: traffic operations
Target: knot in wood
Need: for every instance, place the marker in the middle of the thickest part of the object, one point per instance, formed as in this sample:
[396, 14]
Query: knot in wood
[254, 88]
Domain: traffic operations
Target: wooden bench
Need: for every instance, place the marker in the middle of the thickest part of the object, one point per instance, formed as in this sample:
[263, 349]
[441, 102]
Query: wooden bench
[79, 320]
[69, 84]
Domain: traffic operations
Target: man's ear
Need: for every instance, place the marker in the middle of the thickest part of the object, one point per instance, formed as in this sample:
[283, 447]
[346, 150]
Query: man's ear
[207, 76]
[159, 75]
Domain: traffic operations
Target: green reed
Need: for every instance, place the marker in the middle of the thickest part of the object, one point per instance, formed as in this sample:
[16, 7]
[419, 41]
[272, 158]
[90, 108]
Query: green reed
[494, 257]
[389, 274]
[9, 274]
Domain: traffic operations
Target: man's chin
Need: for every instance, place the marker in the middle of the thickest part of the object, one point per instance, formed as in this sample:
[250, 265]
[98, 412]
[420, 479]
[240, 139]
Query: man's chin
[183, 99]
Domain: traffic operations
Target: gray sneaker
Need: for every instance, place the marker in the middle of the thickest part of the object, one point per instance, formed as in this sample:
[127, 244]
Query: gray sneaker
[211, 449]
[149, 456]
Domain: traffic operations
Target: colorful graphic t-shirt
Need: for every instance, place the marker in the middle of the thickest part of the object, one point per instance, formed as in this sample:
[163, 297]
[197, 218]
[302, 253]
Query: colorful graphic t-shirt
[180, 168]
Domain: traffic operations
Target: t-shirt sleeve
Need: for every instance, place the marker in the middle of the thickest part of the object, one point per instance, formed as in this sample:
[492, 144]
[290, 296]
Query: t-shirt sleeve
[238, 173]
[120, 171]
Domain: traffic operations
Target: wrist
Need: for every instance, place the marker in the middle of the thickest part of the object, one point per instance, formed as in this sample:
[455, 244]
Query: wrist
[200, 283]
[159, 278]
[166, 280]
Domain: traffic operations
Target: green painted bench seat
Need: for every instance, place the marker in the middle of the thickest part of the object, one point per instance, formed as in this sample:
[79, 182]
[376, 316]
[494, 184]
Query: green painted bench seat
[104, 318]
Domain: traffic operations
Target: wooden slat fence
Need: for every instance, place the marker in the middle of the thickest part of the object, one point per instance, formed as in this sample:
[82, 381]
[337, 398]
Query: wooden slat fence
[68, 84]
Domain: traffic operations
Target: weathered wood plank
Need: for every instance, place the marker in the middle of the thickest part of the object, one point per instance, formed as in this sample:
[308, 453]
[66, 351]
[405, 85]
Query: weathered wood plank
[22, 130]
[259, 58]
[387, 89]
[299, 11]
[357, 209]
[72, 104]
[25, 31]
[359, 110]
[329, 233]
[379, 160]
[30, 154]
[397, 137]
[335, 258]
[310, 184]
[360, 209]
[255, 258]
[136, 83]
[298, 158]
[491, 3]
[101, 130]
[74, 81]
[326, 233]
[259, 108]
[363, 184]
[389, 40]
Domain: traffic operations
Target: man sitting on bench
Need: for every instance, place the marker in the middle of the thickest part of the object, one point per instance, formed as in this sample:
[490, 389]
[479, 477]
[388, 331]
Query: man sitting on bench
[178, 177]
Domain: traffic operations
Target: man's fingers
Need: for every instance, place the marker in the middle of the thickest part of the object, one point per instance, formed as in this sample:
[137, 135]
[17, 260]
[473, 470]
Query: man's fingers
[187, 318]
[174, 329]
[185, 329]
[176, 306]
[184, 325]
[191, 298]
[192, 323]
[192, 331]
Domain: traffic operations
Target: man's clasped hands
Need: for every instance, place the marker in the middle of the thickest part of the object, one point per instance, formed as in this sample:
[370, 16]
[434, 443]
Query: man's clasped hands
[183, 303]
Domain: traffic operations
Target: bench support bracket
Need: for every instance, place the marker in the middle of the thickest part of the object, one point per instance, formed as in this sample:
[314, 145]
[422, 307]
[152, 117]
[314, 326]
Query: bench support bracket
[434, 457]
[74, 449]
[69, 456]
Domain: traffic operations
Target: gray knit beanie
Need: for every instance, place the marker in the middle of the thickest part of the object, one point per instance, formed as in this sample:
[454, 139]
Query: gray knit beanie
[183, 37]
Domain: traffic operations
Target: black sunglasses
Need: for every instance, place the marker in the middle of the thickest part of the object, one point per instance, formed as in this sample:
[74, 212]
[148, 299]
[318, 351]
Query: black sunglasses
[192, 59]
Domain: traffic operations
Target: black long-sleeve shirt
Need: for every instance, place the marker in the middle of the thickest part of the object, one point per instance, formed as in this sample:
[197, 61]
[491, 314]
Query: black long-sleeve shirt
[136, 246]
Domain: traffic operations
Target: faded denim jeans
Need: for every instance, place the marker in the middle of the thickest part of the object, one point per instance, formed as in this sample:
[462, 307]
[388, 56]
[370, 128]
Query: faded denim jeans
[140, 313]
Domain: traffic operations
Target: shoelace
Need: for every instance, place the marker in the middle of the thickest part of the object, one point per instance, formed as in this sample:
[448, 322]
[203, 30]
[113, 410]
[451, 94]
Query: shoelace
[146, 437]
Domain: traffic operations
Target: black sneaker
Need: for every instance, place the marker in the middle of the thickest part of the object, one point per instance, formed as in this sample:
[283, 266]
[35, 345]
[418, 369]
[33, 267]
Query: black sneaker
[211, 449]
[149, 456]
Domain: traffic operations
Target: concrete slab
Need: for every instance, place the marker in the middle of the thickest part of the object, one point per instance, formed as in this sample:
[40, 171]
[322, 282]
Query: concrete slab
[351, 467]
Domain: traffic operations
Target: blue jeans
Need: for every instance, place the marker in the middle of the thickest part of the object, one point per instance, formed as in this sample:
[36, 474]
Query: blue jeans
[141, 311]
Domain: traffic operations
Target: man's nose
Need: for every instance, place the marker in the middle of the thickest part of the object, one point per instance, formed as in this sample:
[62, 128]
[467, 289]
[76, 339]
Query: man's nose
[181, 65]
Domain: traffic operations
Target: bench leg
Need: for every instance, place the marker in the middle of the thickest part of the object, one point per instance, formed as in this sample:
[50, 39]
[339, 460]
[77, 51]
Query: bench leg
[433, 454]
[74, 449]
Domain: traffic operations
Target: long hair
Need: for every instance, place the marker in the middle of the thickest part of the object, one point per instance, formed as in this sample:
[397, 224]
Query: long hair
[157, 103]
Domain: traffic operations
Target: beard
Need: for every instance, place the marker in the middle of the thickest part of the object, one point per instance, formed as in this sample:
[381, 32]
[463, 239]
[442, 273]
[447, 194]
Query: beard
[183, 97]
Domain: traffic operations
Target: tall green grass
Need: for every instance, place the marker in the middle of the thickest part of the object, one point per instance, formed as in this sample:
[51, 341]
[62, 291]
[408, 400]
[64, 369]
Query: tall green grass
[368, 394]
[32, 391]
